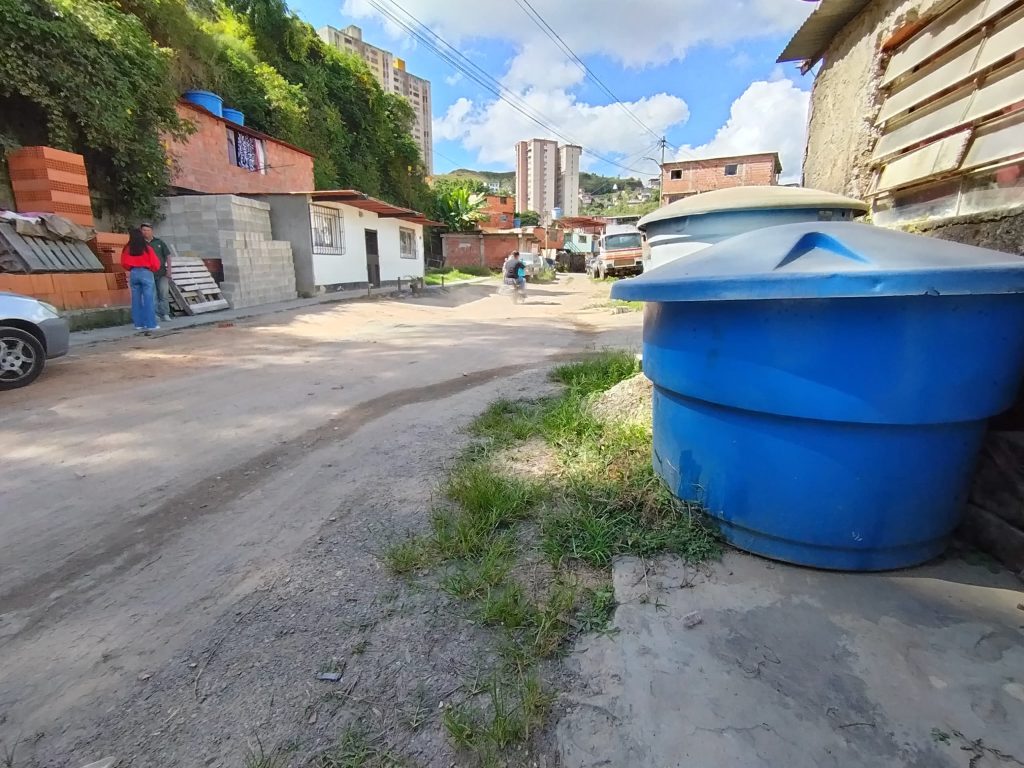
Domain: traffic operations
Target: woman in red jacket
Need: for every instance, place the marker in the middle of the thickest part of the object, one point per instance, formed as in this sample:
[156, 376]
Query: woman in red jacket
[140, 262]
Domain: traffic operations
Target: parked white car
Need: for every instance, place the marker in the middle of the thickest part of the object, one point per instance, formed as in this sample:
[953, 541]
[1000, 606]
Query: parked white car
[31, 332]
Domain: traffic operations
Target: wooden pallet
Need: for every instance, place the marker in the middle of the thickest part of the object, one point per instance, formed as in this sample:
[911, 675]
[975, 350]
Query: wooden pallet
[193, 289]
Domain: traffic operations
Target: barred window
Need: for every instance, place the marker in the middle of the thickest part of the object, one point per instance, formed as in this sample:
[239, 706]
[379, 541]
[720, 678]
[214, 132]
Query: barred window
[328, 227]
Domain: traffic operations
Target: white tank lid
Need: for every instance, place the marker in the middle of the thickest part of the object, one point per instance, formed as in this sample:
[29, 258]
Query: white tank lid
[751, 199]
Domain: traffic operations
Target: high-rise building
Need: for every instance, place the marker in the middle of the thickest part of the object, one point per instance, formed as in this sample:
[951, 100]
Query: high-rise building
[547, 177]
[390, 73]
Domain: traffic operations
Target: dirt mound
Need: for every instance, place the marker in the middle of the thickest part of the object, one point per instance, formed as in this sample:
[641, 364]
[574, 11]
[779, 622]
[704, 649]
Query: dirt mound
[628, 401]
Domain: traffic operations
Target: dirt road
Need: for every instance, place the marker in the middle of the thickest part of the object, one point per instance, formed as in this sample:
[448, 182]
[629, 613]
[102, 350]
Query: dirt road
[190, 525]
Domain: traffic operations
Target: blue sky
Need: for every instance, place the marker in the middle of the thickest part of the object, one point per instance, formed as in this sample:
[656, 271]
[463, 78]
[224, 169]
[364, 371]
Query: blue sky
[701, 71]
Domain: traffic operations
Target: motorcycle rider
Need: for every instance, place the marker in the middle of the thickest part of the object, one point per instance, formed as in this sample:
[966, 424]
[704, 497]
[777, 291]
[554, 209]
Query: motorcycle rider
[515, 270]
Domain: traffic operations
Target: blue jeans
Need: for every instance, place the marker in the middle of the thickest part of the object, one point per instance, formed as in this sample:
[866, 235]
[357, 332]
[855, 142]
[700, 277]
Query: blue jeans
[143, 298]
[163, 296]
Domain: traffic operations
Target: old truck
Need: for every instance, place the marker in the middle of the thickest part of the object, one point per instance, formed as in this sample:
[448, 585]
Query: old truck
[620, 252]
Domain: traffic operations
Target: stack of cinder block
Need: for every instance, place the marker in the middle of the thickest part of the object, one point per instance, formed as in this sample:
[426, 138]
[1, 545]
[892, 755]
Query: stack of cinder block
[48, 180]
[257, 269]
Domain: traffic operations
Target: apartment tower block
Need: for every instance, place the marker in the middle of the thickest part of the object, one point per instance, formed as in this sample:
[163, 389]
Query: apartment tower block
[393, 78]
[547, 177]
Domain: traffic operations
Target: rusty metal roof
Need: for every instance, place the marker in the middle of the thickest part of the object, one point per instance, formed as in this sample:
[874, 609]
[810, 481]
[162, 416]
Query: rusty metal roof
[820, 28]
[363, 201]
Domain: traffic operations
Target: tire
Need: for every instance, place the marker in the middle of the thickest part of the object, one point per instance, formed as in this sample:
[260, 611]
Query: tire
[22, 358]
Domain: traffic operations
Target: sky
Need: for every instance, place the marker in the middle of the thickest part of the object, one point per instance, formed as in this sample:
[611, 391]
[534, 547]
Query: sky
[702, 73]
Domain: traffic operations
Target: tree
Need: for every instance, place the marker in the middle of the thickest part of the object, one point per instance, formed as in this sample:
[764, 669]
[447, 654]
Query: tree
[459, 207]
[528, 218]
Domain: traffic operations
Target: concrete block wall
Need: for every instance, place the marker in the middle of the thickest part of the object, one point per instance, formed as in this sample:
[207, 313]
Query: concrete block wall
[236, 230]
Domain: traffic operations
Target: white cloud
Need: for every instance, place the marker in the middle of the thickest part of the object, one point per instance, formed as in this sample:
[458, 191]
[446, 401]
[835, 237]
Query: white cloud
[453, 78]
[491, 129]
[770, 116]
[644, 33]
[635, 34]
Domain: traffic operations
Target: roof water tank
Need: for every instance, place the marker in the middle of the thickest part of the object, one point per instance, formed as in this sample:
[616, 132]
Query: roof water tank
[693, 223]
[208, 100]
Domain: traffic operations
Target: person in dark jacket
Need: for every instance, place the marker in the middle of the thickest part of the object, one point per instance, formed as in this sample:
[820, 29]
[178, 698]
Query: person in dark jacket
[140, 262]
[162, 277]
[515, 269]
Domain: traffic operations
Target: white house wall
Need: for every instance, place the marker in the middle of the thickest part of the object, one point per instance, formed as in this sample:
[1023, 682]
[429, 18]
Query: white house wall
[392, 265]
[350, 267]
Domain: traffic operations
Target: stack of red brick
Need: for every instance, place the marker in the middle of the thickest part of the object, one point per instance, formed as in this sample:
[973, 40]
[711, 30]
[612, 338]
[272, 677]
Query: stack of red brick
[47, 180]
[69, 290]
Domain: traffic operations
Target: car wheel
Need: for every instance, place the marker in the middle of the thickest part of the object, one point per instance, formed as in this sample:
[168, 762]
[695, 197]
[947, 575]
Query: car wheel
[22, 358]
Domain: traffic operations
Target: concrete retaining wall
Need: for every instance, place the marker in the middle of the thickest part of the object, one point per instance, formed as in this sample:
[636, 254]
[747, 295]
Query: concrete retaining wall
[257, 269]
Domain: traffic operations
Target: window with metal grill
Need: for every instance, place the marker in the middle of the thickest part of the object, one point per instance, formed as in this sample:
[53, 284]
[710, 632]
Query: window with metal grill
[328, 228]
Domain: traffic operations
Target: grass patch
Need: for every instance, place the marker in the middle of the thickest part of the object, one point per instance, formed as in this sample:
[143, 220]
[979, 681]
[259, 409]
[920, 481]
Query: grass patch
[598, 609]
[409, 554]
[439, 275]
[601, 500]
[356, 750]
[544, 275]
[508, 714]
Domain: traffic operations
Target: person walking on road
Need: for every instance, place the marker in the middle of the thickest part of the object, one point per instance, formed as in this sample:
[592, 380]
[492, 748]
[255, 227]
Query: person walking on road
[162, 277]
[140, 261]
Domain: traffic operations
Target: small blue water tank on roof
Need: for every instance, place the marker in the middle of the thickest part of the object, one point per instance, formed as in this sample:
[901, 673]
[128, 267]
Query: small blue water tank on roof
[822, 388]
[234, 115]
[208, 100]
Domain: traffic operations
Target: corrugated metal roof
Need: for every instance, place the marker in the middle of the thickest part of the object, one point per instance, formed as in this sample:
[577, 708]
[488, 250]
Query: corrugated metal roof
[26, 253]
[820, 28]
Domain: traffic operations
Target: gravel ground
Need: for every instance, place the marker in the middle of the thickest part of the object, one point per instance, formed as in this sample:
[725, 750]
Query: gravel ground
[192, 526]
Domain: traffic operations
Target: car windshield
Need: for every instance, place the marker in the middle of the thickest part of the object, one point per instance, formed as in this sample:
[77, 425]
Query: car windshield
[625, 240]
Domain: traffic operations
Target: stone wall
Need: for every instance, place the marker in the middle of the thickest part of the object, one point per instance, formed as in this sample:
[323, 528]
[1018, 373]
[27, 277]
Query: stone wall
[257, 269]
[998, 230]
[845, 98]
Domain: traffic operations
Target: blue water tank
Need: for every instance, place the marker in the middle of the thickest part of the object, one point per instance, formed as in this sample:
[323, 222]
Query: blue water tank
[234, 115]
[207, 100]
[822, 389]
[684, 227]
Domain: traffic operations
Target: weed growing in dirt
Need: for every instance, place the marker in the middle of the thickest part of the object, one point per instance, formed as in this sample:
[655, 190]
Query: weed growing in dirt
[409, 554]
[355, 749]
[507, 715]
[260, 758]
[601, 500]
[598, 609]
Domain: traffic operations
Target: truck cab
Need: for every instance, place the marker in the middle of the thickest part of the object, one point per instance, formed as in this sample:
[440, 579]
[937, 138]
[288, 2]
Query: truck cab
[620, 252]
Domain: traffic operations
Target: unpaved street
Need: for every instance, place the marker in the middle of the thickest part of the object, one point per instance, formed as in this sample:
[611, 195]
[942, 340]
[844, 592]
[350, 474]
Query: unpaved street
[190, 524]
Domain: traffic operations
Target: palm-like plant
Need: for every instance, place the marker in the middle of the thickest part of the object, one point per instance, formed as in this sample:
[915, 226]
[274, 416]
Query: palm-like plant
[460, 208]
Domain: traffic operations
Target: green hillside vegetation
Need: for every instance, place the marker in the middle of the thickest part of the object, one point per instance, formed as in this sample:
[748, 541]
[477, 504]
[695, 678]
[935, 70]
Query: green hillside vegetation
[102, 78]
[589, 182]
[506, 179]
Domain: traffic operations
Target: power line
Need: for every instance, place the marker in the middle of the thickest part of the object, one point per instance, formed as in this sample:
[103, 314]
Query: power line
[557, 39]
[464, 65]
[546, 28]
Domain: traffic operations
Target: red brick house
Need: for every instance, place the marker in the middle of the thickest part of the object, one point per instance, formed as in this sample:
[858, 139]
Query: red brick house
[500, 211]
[690, 177]
[222, 157]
